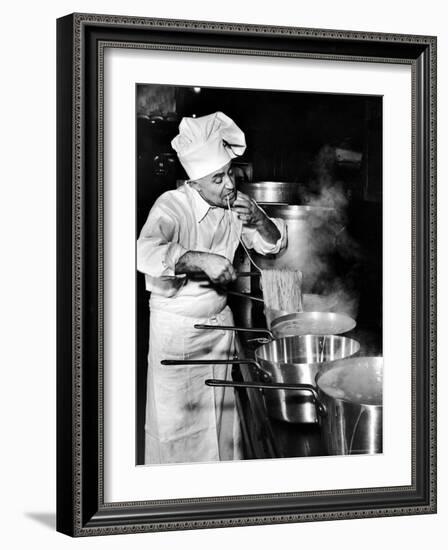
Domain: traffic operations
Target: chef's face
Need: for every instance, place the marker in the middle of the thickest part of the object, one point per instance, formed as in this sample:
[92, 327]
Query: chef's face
[217, 187]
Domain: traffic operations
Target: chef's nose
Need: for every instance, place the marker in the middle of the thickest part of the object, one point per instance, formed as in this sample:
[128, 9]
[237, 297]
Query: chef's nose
[228, 182]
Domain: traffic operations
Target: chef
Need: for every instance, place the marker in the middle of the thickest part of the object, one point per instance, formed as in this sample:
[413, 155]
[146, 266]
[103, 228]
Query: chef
[193, 230]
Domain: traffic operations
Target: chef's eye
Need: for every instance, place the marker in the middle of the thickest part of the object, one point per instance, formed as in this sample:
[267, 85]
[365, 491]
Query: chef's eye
[219, 179]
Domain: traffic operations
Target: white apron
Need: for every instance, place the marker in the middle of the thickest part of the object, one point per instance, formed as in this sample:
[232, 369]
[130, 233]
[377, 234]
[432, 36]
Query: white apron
[187, 421]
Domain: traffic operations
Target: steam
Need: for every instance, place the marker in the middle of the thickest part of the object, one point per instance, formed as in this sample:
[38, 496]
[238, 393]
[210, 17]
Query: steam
[336, 260]
[334, 257]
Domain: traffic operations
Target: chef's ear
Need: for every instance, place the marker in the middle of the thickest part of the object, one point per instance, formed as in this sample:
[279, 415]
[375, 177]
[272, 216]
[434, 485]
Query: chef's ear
[195, 184]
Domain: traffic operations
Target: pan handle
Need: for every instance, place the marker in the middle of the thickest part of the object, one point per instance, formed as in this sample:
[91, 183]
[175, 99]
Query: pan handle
[223, 290]
[236, 329]
[243, 295]
[248, 274]
[271, 386]
[263, 375]
[201, 276]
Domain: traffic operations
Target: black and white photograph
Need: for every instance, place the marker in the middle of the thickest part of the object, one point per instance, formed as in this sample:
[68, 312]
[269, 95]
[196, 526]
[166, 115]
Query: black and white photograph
[246, 290]
[259, 262]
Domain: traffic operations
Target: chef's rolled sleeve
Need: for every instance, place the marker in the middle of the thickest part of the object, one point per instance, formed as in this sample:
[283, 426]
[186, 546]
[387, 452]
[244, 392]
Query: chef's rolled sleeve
[157, 256]
[253, 239]
[158, 260]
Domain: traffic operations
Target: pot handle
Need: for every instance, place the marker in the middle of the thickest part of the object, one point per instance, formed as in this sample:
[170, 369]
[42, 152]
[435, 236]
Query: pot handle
[263, 375]
[262, 385]
[271, 386]
[235, 329]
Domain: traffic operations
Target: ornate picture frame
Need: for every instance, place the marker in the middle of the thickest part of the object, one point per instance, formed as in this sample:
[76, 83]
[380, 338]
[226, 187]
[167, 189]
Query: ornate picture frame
[81, 42]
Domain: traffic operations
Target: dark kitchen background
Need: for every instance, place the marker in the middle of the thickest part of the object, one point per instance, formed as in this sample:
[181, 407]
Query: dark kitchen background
[327, 146]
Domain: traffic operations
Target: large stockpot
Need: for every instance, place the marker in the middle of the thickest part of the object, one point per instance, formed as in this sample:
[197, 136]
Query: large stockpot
[273, 192]
[292, 360]
[348, 401]
[351, 394]
[312, 233]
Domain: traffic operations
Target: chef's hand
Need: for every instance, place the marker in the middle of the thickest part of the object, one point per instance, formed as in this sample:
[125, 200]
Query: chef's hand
[252, 215]
[248, 210]
[218, 269]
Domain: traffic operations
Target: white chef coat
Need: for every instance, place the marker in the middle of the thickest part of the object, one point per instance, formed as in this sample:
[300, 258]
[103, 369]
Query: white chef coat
[187, 421]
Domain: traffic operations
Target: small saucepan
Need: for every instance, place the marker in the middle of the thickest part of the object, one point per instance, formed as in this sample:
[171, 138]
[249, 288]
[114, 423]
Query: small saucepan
[283, 323]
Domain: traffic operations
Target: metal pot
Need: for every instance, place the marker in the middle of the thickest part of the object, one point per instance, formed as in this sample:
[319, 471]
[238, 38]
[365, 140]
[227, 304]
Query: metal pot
[273, 192]
[292, 360]
[348, 401]
[287, 323]
[351, 394]
[308, 322]
[282, 324]
[298, 359]
[312, 232]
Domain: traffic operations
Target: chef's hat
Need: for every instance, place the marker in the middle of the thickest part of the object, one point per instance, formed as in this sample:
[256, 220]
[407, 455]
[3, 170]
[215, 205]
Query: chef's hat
[207, 143]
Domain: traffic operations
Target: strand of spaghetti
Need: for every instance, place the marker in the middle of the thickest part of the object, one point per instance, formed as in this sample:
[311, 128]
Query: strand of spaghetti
[240, 239]
[281, 288]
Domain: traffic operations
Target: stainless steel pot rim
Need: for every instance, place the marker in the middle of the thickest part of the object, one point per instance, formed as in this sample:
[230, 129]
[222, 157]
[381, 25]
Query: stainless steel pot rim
[291, 364]
[351, 402]
[357, 360]
[335, 323]
[296, 211]
[346, 362]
